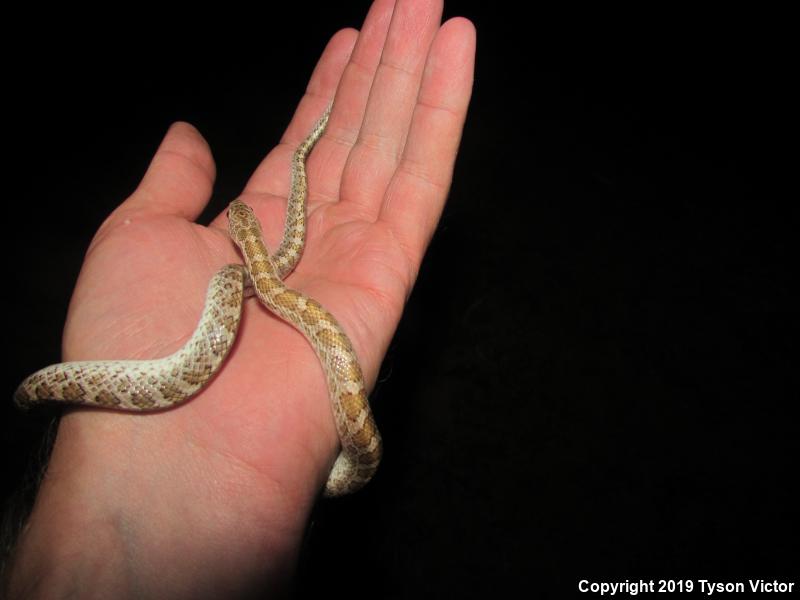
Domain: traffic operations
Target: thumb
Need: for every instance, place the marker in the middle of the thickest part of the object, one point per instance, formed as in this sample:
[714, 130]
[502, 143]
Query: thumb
[180, 176]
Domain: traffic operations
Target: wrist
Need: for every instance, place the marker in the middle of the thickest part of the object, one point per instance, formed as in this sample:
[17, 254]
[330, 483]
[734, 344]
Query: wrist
[131, 508]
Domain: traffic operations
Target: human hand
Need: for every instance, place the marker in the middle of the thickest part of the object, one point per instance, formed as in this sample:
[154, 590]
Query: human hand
[241, 463]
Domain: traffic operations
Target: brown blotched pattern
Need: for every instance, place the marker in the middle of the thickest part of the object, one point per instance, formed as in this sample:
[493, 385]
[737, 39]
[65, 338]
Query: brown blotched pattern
[361, 442]
[141, 385]
[146, 385]
[294, 232]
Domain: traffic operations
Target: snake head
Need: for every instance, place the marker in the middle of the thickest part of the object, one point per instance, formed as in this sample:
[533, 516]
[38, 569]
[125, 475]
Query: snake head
[239, 212]
[241, 218]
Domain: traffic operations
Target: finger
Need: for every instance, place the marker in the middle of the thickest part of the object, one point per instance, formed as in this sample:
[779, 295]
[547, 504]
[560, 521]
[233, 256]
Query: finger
[272, 176]
[352, 95]
[393, 94]
[180, 176]
[417, 192]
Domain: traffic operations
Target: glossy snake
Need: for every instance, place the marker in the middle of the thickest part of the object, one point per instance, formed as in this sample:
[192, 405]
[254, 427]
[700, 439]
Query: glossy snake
[147, 385]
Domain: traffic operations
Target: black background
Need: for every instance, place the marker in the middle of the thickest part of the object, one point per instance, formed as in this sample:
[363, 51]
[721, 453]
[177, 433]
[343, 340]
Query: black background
[594, 373]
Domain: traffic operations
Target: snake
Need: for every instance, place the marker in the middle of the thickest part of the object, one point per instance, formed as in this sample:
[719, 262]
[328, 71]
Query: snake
[158, 384]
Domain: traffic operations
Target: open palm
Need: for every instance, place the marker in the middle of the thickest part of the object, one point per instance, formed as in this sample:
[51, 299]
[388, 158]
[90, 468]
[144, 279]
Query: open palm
[378, 180]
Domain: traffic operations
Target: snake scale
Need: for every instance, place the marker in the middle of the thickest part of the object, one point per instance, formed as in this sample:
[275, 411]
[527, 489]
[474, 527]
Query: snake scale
[150, 385]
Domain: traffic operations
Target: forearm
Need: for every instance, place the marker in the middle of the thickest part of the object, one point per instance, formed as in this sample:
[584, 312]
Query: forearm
[114, 518]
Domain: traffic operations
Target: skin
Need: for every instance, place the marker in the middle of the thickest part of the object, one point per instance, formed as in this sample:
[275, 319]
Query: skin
[211, 499]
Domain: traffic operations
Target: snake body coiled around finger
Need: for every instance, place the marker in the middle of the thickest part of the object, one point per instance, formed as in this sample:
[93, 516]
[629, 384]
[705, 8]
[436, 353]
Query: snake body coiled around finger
[148, 385]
